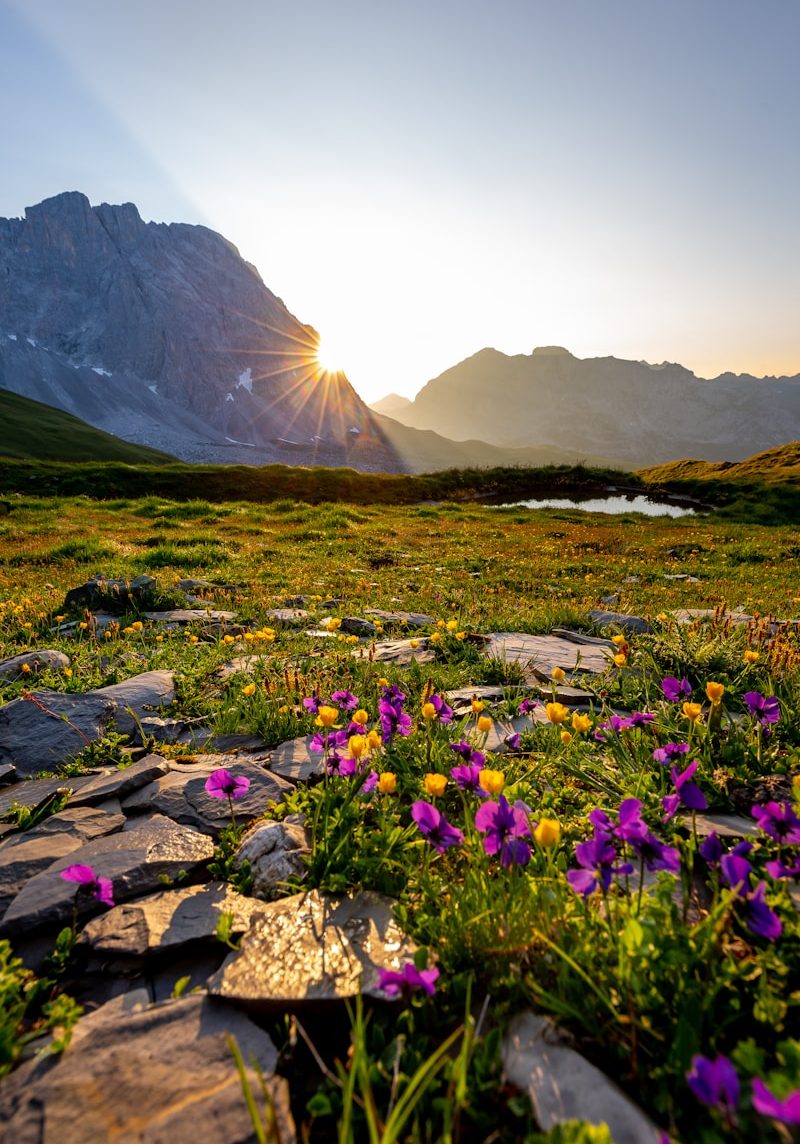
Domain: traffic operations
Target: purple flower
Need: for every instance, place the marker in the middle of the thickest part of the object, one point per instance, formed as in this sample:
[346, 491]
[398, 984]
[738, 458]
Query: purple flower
[597, 856]
[527, 705]
[505, 826]
[223, 784]
[394, 720]
[99, 888]
[760, 919]
[710, 849]
[670, 753]
[655, 854]
[462, 748]
[467, 777]
[640, 719]
[329, 740]
[786, 1110]
[312, 704]
[408, 979]
[763, 708]
[777, 869]
[687, 793]
[674, 688]
[344, 699]
[615, 723]
[736, 871]
[714, 1083]
[629, 817]
[433, 824]
[779, 821]
[370, 782]
[512, 741]
[443, 712]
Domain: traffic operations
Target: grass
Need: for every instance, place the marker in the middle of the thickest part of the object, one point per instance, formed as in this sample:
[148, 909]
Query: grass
[642, 980]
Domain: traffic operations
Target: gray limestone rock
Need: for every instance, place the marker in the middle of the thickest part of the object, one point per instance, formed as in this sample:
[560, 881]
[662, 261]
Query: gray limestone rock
[289, 617]
[137, 860]
[120, 783]
[81, 822]
[36, 661]
[146, 1076]
[169, 920]
[275, 852]
[179, 617]
[402, 619]
[181, 794]
[312, 947]
[35, 792]
[22, 858]
[399, 652]
[49, 728]
[540, 655]
[99, 588]
[563, 1085]
[724, 825]
[636, 625]
[354, 626]
[245, 664]
[294, 762]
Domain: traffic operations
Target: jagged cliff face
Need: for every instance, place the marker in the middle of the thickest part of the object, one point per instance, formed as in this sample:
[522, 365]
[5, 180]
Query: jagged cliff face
[633, 412]
[162, 333]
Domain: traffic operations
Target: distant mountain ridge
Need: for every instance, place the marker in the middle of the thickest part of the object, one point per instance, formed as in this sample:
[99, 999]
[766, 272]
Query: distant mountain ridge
[632, 412]
[162, 334]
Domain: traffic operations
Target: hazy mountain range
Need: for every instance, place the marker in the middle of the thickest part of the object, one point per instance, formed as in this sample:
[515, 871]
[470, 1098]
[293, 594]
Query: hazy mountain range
[630, 411]
[163, 335]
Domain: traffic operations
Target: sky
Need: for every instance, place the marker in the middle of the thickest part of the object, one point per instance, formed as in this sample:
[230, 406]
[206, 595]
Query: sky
[419, 180]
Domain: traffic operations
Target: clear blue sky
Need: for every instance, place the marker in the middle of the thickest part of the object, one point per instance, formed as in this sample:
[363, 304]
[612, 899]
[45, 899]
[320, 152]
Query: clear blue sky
[419, 180]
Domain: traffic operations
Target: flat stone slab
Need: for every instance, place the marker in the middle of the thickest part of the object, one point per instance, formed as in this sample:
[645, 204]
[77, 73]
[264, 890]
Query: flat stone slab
[582, 638]
[289, 617]
[407, 619]
[312, 947]
[400, 652]
[168, 921]
[563, 1085]
[146, 1076]
[81, 822]
[137, 860]
[178, 617]
[35, 661]
[181, 794]
[22, 858]
[49, 728]
[120, 783]
[540, 655]
[638, 625]
[274, 852]
[100, 588]
[725, 825]
[495, 740]
[689, 615]
[294, 762]
[34, 792]
[355, 626]
[242, 664]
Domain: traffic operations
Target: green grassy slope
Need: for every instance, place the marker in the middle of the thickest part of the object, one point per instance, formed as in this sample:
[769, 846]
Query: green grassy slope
[32, 431]
[780, 465]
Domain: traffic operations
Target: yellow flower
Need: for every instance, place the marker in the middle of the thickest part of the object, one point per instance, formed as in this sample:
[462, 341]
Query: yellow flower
[137, 625]
[284, 710]
[566, 737]
[332, 624]
[477, 705]
[373, 740]
[356, 745]
[620, 659]
[440, 624]
[620, 641]
[249, 637]
[227, 639]
[413, 643]
[249, 689]
[352, 639]
[326, 716]
[558, 675]
[484, 724]
[556, 712]
[751, 656]
[387, 782]
[127, 631]
[435, 784]
[692, 711]
[25, 668]
[428, 711]
[548, 832]
[360, 717]
[452, 625]
[194, 639]
[662, 617]
[383, 682]
[435, 637]
[581, 723]
[492, 781]
[68, 672]
[715, 691]
[83, 625]
[461, 635]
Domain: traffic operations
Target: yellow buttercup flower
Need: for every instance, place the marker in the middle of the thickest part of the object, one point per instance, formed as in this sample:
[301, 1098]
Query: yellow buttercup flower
[382, 682]
[326, 716]
[715, 691]
[751, 656]
[284, 710]
[137, 625]
[484, 724]
[477, 705]
[556, 712]
[413, 643]
[440, 624]
[692, 711]
[68, 672]
[387, 782]
[373, 740]
[428, 712]
[558, 675]
[461, 635]
[435, 637]
[620, 641]
[566, 738]
[435, 784]
[25, 668]
[581, 723]
[332, 624]
[452, 625]
[227, 639]
[361, 717]
[620, 659]
[357, 745]
[492, 781]
[249, 689]
[548, 832]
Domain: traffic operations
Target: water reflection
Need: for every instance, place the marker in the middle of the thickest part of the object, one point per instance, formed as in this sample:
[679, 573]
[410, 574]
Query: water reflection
[612, 504]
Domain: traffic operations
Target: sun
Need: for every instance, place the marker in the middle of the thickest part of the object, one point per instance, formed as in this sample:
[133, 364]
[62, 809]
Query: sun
[330, 356]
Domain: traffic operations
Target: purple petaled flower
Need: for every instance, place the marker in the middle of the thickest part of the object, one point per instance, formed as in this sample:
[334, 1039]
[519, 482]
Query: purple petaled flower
[736, 871]
[714, 1083]
[329, 740]
[629, 817]
[409, 978]
[764, 709]
[394, 720]
[467, 777]
[433, 824]
[344, 699]
[597, 856]
[462, 748]
[670, 753]
[687, 793]
[655, 854]
[223, 784]
[779, 821]
[99, 888]
[505, 827]
[615, 723]
[601, 822]
[370, 782]
[312, 704]
[443, 712]
[527, 705]
[787, 1111]
[777, 869]
[513, 741]
[710, 849]
[674, 689]
[761, 920]
[641, 719]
